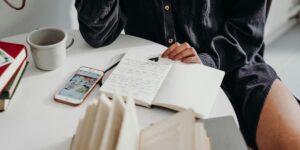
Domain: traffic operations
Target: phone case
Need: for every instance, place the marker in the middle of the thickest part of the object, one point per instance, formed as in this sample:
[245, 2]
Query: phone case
[89, 91]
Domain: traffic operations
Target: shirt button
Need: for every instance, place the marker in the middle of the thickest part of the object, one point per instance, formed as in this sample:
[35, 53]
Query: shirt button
[167, 7]
[170, 41]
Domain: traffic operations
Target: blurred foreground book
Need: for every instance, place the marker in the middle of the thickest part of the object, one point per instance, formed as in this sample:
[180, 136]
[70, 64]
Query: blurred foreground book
[112, 124]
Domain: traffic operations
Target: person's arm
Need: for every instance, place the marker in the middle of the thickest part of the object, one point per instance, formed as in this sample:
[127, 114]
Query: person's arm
[100, 21]
[238, 42]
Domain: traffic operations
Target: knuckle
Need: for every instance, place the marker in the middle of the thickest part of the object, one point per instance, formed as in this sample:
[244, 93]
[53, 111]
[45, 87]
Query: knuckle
[173, 46]
[193, 50]
[186, 44]
[190, 51]
[176, 44]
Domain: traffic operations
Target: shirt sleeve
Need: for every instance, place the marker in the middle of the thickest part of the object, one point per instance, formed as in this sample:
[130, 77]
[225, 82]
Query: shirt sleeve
[100, 21]
[240, 40]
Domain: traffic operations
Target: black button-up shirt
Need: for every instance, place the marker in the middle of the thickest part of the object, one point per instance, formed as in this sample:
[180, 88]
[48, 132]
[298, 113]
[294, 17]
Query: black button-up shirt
[227, 34]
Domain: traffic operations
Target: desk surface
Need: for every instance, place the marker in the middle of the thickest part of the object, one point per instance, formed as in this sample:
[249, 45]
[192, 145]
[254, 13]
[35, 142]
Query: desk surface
[35, 121]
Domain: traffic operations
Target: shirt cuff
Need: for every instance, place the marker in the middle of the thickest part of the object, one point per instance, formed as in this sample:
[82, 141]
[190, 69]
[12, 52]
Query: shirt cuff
[207, 60]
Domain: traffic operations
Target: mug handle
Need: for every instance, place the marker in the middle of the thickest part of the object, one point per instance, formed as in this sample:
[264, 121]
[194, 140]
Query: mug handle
[72, 36]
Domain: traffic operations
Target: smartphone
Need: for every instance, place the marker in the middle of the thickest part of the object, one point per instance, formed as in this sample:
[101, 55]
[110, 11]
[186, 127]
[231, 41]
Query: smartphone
[79, 86]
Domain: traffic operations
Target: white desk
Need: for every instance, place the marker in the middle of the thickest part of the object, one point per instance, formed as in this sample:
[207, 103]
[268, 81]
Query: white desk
[34, 121]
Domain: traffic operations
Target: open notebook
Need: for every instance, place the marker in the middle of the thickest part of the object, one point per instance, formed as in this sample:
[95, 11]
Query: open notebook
[114, 126]
[165, 83]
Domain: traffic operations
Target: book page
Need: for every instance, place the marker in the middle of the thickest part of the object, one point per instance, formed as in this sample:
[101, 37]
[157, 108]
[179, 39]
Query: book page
[102, 114]
[12, 85]
[190, 86]
[130, 130]
[201, 139]
[174, 133]
[88, 124]
[81, 133]
[113, 125]
[141, 78]
[76, 139]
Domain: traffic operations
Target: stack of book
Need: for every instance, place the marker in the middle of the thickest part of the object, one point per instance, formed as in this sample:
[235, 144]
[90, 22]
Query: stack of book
[113, 125]
[13, 62]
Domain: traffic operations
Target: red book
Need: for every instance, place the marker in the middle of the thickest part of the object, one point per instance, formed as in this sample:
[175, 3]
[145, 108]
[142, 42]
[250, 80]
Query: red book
[11, 57]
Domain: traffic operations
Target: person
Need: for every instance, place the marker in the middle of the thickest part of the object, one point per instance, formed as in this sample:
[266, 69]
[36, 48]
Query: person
[224, 34]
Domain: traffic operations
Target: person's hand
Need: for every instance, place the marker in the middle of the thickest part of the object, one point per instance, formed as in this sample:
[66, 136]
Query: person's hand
[183, 52]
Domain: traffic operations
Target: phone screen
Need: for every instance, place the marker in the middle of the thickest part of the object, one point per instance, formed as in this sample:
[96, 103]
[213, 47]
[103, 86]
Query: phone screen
[79, 84]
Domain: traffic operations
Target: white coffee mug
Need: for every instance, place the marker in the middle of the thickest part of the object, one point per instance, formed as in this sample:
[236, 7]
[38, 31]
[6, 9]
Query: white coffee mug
[48, 47]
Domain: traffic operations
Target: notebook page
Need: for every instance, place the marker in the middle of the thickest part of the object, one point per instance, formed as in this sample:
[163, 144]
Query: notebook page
[140, 77]
[190, 86]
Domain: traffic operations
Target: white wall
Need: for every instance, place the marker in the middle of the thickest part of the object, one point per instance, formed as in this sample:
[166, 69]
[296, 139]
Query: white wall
[279, 14]
[281, 11]
[37, 13]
